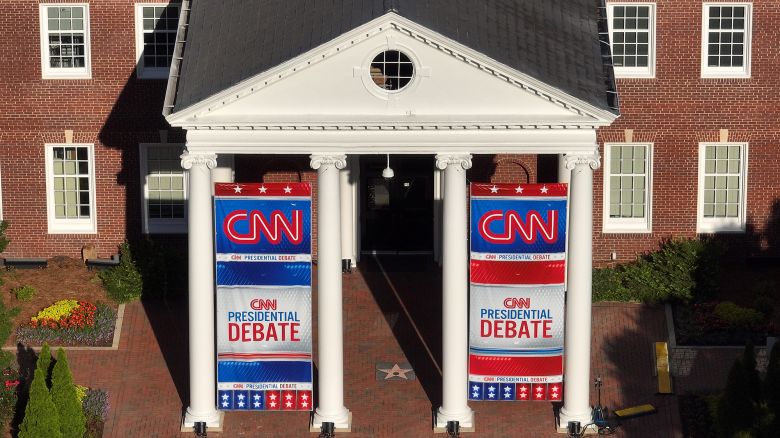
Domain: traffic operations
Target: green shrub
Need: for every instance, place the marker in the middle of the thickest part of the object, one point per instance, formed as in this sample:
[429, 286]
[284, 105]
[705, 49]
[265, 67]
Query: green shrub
[751, 373]
[65, 397]
[161, 266]
[25, 293]
[123, 282]
[40, 415]
[736, 411]
[735, 316]
[3, 239]
[680, 270]
[44, 361]
[6, 326]
[772, 382]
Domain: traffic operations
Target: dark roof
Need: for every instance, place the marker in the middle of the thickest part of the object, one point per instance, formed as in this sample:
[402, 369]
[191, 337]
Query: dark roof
[554, 41]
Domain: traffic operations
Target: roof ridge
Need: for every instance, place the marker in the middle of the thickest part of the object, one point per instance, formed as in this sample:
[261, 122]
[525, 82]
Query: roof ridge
[391, 6]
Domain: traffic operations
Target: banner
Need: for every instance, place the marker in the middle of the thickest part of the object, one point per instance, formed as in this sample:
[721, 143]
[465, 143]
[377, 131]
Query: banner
[516, 313]
[263, 276]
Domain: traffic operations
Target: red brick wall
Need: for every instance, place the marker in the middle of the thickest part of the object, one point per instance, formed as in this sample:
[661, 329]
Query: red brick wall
[677, 109]
[113, 110]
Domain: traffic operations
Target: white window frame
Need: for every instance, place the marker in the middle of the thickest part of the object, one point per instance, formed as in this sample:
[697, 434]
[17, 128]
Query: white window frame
[722, 224]
[141, 71]
[628, 225]
[727, 72]
[636, 72]
[70, 226]
[48, 72]
[158, 225]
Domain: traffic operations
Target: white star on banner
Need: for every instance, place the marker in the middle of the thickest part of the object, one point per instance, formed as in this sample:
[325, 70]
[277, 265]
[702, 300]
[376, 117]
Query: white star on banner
[518, 189]
[272, 404]
[544, 189]
[475, 388]
[225, 404]
[507, 395]
[237, 188]
[241, 404]
[539, 395]
[491, 388]
[225, 396]
[491, 395]
[475, 394]
[494, 189]
[523, 395]
[257, 397]
[262, 189]
[288, 189]
[304, 404]
[507, 389]
[288, 396]
[304, 397]
[257, 404]
[272, 396]
[288, 404]
[240, 397]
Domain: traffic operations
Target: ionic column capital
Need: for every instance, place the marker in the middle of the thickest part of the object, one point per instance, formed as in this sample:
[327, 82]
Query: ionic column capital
[319, 160]
[189, 159]
[462, 160]
[593, 160]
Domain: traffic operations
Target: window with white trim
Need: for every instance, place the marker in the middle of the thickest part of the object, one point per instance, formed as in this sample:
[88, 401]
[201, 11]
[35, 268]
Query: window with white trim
[155, 32]
[627, 187]
[726, 40]
[164, 188]
[632, 38]
[722, 187]
[65, 52]
[70, 188]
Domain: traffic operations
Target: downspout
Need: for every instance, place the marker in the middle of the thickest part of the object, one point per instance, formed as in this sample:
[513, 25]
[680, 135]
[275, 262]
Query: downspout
[178, 51]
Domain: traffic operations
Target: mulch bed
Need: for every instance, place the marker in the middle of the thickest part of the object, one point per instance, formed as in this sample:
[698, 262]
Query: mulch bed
[64, 278]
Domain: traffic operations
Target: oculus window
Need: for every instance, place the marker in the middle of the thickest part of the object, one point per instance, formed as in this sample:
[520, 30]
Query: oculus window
[392, 70]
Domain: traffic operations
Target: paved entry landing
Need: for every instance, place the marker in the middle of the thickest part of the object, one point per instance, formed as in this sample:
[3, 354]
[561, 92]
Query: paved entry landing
[391, 317]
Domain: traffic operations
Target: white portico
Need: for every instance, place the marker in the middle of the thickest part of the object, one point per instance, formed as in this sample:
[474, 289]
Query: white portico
[333, 101]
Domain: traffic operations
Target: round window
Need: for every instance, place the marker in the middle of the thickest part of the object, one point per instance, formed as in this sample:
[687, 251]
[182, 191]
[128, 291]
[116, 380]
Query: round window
[392, 70]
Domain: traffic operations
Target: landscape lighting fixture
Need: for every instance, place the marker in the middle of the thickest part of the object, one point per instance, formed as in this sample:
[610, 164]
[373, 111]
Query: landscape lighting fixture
[200, 429]
[328, 430]
[388, 172]
[453, 429]
[573, 428]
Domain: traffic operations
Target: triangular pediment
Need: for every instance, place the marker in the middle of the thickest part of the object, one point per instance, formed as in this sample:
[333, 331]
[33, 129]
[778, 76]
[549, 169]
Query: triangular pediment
[332, 85]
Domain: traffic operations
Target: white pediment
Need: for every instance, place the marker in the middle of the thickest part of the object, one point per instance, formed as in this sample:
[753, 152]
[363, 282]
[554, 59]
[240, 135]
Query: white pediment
[332, 86]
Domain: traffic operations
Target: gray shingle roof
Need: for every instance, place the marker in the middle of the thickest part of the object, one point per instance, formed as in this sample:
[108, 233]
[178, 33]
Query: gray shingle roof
[554, 41]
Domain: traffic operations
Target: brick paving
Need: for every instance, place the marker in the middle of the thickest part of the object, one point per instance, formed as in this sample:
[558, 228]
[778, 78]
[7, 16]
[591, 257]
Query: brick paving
[147, 376]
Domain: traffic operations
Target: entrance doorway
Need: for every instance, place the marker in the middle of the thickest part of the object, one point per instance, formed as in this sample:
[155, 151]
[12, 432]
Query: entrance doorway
[397, 213]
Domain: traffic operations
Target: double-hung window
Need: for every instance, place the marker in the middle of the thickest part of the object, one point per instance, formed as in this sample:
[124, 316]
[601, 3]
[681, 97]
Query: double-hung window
[155, 35]
[65, 49]
[164, 188]
[627, 187]
[726, 40]
[70, 188]
[722, 187]
[632, 38]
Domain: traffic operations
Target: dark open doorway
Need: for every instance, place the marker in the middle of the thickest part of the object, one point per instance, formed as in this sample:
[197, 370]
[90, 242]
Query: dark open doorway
[397, 213]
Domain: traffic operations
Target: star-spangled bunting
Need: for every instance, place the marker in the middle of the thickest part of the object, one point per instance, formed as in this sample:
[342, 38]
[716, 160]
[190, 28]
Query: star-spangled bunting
[262, 189]
[481, 189]
[515, 391]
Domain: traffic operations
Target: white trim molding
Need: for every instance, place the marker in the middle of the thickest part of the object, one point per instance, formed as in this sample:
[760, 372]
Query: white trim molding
[48, 72]
[645, 177]
[722, 186]
[634, 71]
[142, 71]
[742, 71]
[80, 225]
[162, 225]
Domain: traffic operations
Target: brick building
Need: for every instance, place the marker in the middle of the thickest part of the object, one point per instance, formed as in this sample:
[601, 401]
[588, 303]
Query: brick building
[94, 120]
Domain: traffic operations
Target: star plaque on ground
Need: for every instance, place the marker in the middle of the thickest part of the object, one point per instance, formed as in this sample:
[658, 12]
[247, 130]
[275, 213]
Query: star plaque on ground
[394, 371]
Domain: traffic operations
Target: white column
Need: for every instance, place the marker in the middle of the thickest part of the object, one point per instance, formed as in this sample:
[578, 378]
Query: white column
[347, 228]
[224, 172]
[455, 297]
[201, 291]
[329, 309]
[564, 173]
[576, 372]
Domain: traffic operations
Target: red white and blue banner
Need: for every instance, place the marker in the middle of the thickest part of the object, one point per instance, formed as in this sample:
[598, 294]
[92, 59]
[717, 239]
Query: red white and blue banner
[263, 276]
[516, 311]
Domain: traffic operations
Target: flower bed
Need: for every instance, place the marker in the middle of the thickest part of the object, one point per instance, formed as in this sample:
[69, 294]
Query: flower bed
[9, 395]
[719, 324]
[70, 322]
[95, 404]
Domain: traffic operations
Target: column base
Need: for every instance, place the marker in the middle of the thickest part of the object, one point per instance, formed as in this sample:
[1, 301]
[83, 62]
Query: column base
[343, 422]
[214, 421]
[585, 418]
[465, 421]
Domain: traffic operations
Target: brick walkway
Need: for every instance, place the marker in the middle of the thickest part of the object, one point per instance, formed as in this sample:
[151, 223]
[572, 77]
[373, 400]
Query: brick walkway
[147, 376]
